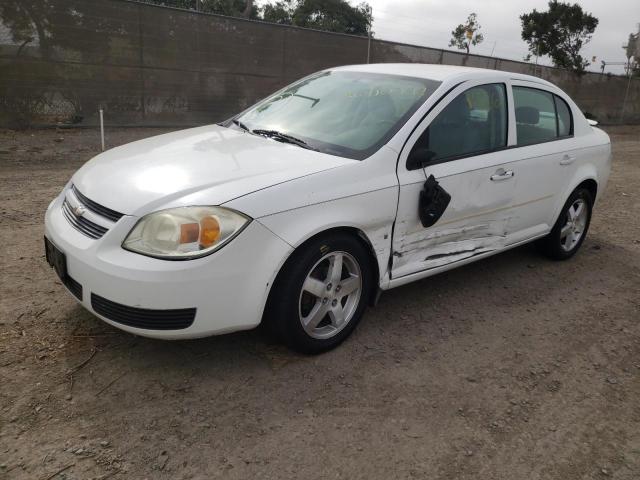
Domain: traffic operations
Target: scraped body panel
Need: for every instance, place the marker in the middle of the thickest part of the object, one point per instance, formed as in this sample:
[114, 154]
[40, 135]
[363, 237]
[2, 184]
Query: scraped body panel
[477, 219]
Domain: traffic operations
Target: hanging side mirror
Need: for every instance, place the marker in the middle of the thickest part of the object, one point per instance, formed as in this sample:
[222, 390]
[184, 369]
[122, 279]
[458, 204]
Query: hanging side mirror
[419, 158]
[434, 200]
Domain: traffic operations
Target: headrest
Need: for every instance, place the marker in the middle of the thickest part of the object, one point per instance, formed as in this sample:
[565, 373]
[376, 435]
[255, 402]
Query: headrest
[527, 115]
[456, 112]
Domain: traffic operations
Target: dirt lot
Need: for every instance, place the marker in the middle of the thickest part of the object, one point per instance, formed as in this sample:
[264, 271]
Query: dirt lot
[515, 367]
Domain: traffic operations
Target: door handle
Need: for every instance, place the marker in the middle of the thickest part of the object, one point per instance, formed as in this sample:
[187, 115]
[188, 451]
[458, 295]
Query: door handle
[502, 175]
[567, 159]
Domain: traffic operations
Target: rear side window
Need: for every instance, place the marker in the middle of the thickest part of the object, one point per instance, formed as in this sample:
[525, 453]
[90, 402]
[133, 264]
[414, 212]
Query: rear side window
[535, 115]
[474, 122]
[540, 116]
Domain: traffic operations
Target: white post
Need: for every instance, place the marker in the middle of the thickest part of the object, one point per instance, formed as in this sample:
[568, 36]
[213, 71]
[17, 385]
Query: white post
[102, 128]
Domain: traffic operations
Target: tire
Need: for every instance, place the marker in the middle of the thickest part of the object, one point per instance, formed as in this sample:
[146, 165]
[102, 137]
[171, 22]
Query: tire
[306, 300]
[568, 233]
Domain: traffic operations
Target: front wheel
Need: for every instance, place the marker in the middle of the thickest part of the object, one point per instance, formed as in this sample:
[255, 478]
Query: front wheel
[570, 229]
[321, 293]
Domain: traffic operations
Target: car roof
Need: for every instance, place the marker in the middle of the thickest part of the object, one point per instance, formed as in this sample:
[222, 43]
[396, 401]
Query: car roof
[439, 73]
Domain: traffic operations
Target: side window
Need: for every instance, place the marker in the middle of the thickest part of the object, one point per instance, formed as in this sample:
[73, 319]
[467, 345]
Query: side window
[536, 120]
[565, 121]
[474, 122]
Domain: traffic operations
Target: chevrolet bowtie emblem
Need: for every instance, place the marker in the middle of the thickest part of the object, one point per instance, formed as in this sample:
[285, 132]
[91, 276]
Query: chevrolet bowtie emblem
[78, 211]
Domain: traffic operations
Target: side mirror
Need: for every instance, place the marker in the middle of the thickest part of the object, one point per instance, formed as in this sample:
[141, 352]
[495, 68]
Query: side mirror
[419, 157]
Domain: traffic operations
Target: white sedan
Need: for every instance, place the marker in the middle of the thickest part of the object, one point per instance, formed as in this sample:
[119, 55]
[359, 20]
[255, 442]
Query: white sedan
[300, 210]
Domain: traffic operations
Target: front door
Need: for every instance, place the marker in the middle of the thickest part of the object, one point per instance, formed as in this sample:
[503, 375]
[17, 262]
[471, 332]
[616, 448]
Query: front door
[463, 144]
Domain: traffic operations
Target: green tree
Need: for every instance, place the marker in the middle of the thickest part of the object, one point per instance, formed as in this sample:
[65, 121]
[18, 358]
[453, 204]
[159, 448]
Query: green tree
[230, 8]
[560, 33]
[45, 25]
[47, 29]
[330, 15]
[279, 12]
[186, 4]
[333, 16]
[467, 34]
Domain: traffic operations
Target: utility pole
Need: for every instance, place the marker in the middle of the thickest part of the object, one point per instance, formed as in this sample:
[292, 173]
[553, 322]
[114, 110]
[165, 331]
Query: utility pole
[632, 50]
[537, 41]
[626, 96]
[369, 42]
[248, 9]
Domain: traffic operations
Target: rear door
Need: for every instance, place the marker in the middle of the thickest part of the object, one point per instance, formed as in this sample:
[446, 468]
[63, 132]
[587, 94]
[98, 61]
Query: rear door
[545, 155]
[463, 143]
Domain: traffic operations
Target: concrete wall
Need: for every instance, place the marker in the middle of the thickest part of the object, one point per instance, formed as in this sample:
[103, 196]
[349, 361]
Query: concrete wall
[148, 65]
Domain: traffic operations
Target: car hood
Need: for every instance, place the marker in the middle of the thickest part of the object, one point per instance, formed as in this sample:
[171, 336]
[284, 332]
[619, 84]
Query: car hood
[206, 165]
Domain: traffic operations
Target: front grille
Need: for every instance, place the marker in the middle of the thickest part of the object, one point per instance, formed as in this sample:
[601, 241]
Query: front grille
[90, 229]
[74, 287]
[96, 207]
[143, 317]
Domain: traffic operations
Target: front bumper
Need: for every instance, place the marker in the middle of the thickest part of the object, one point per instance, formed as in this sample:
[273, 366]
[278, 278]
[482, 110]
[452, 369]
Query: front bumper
[228, 288]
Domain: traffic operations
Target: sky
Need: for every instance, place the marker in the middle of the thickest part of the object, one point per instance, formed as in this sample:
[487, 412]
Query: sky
[429, 23]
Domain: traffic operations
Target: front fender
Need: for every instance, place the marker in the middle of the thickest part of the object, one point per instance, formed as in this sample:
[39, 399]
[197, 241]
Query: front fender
[371, 213]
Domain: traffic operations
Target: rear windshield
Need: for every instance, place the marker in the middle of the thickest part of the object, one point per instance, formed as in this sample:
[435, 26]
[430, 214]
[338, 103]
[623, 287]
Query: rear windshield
[350, 114]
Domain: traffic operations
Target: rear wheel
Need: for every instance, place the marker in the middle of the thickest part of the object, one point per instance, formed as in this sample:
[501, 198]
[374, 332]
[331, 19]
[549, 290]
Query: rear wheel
[570, 229]
[321, 293]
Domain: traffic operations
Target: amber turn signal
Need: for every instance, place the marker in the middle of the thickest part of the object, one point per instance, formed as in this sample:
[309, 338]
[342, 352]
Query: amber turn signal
[209, 231]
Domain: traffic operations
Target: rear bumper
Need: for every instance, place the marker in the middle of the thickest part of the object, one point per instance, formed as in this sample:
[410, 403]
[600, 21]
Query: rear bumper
[228, 289]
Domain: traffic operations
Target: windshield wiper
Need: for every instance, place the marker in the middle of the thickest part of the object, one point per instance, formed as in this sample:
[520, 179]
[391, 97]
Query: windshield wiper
[283, 137]
[241, 125]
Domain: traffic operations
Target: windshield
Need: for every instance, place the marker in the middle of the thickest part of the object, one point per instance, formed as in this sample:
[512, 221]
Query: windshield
[350, 114]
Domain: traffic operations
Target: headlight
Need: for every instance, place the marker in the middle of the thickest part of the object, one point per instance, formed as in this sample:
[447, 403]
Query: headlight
[184, 233]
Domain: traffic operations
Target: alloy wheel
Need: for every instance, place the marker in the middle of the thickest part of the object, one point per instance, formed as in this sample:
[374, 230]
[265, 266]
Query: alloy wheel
[576, 221]
[330, 295]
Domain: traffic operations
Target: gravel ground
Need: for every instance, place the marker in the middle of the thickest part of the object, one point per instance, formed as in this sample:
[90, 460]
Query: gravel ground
[514, 367]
